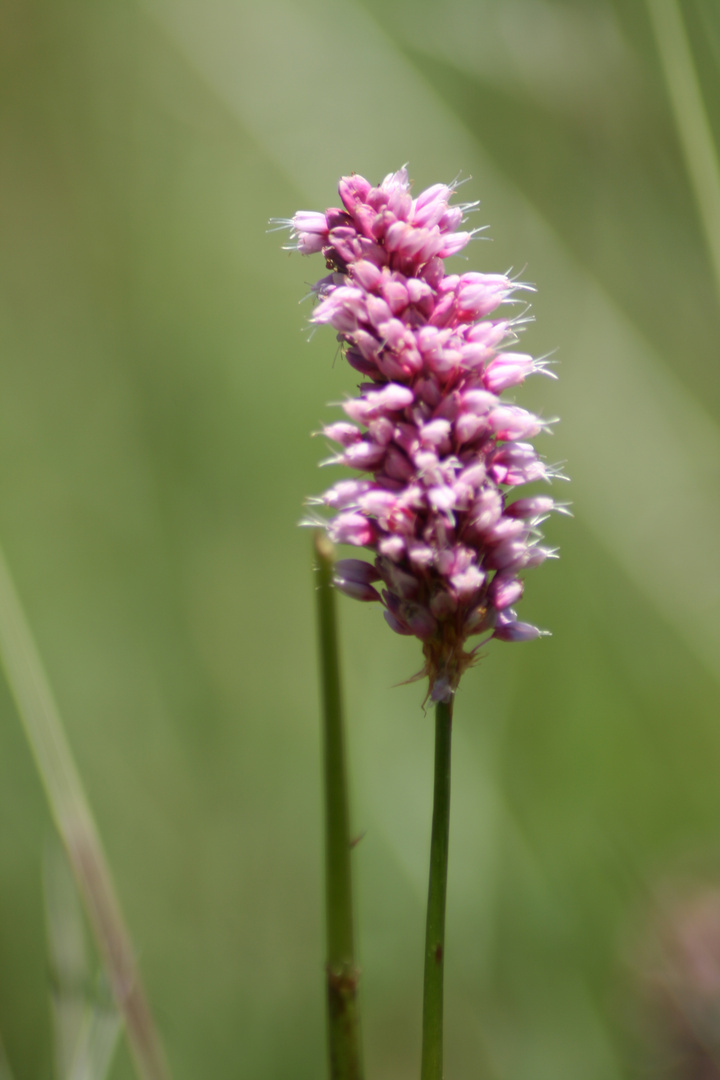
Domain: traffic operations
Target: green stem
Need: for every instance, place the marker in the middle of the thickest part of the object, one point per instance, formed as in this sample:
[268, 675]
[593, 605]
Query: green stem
[342, 972]
[71, 811]
[432, 1040]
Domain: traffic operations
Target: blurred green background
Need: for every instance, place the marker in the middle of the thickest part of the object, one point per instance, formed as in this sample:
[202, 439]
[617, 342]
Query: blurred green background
[157, 391]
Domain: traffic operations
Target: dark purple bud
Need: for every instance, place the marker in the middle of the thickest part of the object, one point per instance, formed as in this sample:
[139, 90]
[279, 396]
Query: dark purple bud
[400, 582]
[366, 367]
[357, 570]
[517, 631]
[443, 604]
[338, 219]
[395, 624]
[397, 465]
[419, 619]
[354, 577]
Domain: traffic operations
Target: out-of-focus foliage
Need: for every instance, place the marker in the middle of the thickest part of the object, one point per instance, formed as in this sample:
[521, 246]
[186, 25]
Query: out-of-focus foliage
[156, 396]
[85, 1023]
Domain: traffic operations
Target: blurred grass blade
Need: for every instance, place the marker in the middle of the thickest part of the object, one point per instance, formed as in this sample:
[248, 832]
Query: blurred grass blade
[96, 1045]
[691, 119]
[43, 727]
[69, 968]
[86, 1024]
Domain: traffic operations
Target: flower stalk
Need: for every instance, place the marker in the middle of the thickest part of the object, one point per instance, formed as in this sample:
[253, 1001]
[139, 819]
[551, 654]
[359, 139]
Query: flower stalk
[432, 1028]
[341, 968]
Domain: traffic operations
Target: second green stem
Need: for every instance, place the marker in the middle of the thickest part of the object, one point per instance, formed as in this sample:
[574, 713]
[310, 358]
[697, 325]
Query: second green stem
[342, 971]
[432, 1038]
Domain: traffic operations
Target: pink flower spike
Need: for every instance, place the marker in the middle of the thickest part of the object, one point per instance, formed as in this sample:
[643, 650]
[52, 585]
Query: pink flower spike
[438, 449]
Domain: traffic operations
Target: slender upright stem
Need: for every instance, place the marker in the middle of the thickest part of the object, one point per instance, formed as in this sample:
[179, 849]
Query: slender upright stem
[432, 1041]
[342, 972]
[71, 811]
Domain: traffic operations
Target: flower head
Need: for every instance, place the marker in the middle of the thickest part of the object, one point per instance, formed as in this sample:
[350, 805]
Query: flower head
[438, 452]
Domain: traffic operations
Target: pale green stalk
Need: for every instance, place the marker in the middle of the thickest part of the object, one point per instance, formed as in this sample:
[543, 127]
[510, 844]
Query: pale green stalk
[341, 968]
[70, 809]
[691, 119]
[432, 1030]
